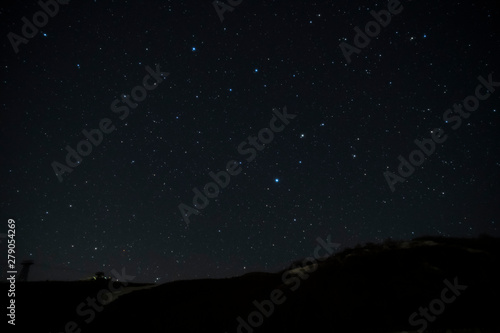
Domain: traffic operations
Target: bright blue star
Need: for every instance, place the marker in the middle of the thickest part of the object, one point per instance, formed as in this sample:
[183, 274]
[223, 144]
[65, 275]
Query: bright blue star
[276, 180]
[193, 49]
[256, 70]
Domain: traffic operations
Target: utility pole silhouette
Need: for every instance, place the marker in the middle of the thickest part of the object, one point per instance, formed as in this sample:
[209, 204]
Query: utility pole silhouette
[23, 275]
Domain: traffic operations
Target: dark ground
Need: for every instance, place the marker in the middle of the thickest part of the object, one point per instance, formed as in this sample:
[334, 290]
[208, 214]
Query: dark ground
[371, 288]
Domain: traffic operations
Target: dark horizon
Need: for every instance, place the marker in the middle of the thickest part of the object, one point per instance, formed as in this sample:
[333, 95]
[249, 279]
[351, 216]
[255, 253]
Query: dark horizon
[138, 279]
[435, 283]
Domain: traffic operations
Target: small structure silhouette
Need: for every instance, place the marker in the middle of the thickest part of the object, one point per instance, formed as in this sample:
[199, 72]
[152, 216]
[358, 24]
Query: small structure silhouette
[100, 276]
[23, 275]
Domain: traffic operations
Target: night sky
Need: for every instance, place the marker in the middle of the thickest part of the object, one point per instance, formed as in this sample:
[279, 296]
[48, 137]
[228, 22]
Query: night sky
[204, 90]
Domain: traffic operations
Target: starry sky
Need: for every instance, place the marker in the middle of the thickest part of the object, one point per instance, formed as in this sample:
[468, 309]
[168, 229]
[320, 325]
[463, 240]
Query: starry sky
[218, 78]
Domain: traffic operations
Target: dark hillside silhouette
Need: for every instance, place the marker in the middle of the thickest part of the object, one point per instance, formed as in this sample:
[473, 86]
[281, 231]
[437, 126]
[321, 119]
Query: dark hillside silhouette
[372, 288]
